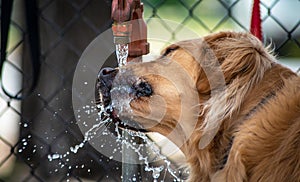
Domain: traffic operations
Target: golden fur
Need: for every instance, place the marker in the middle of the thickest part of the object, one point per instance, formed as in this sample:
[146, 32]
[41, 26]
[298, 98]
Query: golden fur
[247, 118]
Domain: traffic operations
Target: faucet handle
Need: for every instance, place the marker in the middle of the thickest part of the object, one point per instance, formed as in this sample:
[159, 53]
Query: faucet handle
[121, 10]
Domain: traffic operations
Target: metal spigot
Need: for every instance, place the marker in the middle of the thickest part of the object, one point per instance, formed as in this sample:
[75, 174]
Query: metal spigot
[129, 26]
[122, 32]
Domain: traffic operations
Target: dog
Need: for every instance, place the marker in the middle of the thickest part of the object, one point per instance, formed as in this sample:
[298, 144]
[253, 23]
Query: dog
[222, 99]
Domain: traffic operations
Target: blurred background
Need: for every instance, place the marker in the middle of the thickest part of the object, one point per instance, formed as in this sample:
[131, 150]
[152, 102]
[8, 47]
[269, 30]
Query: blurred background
[36, 123]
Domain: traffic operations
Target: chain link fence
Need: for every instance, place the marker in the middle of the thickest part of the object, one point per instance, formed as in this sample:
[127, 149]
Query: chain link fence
[43, 122]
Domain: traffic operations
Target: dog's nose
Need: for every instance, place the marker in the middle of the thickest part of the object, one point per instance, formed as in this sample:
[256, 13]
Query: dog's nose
[142, 89]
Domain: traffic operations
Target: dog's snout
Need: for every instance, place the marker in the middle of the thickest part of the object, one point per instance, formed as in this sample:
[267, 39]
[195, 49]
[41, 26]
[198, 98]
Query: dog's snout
[105, 80]
[142, 89]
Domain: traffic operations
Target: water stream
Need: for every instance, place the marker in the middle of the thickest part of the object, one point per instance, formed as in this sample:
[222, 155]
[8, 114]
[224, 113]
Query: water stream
[122, 54]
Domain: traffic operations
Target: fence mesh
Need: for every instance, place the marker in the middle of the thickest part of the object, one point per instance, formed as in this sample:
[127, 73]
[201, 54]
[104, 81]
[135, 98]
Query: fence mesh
[43, 123]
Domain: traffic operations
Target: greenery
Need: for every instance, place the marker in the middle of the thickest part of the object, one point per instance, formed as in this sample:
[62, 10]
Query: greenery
[208, 16]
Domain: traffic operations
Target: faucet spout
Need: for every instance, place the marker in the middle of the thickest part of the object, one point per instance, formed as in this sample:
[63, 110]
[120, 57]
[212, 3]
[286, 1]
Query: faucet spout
[130, 27]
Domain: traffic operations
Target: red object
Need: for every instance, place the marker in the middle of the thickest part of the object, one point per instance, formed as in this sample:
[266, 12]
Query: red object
[131, 11]
[255, 27]
[120, 10]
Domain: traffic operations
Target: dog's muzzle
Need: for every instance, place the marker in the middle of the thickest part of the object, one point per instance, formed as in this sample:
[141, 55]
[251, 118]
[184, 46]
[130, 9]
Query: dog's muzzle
[138, 88]
[104, 84]
[108, 79]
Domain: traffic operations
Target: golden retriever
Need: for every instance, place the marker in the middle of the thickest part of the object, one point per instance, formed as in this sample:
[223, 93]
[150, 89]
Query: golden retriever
[233, 111]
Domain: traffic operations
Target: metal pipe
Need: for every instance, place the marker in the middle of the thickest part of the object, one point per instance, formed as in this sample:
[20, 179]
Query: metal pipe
[130, 170]
[130, 28]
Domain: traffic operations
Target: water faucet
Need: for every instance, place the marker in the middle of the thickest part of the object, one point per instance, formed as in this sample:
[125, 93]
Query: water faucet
[129, 26]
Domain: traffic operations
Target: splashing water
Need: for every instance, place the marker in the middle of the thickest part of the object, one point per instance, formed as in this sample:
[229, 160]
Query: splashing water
[87, 135]
[138, 149]
[122, 54]
[155, 149]
[103, 118]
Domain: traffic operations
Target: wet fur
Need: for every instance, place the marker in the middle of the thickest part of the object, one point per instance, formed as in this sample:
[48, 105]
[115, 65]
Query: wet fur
[257, 129]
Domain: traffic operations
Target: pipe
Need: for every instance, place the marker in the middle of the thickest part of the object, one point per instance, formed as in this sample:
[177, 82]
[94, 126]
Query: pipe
[129, 27]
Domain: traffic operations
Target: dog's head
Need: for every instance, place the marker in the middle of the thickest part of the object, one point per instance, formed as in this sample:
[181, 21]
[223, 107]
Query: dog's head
[194, 84]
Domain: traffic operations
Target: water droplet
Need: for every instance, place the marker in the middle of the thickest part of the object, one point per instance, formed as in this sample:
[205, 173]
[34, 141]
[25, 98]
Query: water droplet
[53, 156]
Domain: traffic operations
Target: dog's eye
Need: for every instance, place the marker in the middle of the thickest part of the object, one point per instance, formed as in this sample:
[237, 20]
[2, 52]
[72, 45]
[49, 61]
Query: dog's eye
[170, 49]
[142, 89]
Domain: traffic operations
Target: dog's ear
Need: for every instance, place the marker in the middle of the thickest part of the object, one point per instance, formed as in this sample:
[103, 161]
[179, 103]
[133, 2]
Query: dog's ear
[243, 61]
